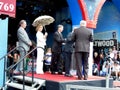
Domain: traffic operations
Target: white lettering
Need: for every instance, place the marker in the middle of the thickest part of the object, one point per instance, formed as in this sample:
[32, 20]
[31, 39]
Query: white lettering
[6, 6]
[104, 43]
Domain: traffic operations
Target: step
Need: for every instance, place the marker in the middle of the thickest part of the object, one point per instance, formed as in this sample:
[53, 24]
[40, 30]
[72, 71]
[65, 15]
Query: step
[29, 79]
[20, 86]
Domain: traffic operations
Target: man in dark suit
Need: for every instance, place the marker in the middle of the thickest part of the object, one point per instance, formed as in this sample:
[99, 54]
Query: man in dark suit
[56, 62]
[82, 37]
[68, 50]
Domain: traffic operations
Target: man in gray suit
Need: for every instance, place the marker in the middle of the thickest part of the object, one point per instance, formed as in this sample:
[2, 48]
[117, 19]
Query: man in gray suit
[82, 37]
[23, 41]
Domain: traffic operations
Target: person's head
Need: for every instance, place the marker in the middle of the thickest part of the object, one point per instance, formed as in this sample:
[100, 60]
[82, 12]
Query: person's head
[60, 28]
[116, 63]
[101, 55]
[49, 50]
[74, 29]
[110, 50]
[23, 23]
[39, 27]
[114, 47]
[95, 54]
[83, 23]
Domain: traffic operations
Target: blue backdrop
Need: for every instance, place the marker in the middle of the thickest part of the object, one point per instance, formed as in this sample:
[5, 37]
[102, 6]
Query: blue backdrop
[75, 12]
[109, 19]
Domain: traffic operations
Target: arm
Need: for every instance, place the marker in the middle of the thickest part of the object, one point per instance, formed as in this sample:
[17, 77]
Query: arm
[91, 38]
[58, 38]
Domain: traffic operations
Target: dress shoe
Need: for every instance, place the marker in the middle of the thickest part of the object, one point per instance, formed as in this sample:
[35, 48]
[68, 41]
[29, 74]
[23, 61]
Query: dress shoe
[79, 78]
[85, 78]
[52, 72]
[60, 73]
[68, 75]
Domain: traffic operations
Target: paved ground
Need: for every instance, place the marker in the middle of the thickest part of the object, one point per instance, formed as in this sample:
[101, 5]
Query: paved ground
[116, 84]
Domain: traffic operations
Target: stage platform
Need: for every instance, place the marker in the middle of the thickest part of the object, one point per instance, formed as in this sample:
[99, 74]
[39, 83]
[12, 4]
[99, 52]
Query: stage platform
[59, 82]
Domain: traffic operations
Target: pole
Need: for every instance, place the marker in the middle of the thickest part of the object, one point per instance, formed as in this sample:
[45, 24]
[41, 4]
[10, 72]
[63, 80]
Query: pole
[108, 73]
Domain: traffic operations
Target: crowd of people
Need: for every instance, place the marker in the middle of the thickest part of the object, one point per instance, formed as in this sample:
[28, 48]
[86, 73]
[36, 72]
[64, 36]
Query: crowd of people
[60, 57]
[107, 64]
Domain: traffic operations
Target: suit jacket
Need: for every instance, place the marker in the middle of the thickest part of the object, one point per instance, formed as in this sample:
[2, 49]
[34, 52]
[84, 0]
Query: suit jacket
[57, 42]
[23, 39]
[82, 37]
[69, 44]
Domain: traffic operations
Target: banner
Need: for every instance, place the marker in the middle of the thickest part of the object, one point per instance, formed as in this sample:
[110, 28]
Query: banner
[105, 43]
[8, 7]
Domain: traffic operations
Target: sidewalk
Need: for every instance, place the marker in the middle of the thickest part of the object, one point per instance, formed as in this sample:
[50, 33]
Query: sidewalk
[116, 84]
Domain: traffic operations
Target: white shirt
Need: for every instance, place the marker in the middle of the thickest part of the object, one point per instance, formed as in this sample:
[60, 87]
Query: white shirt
[116, 68]
[41, 41]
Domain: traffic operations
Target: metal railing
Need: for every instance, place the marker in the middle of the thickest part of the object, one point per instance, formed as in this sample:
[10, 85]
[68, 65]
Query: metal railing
[5, 61]
[12, 66]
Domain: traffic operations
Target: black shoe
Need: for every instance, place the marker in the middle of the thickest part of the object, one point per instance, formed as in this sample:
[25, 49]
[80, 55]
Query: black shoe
[80, 78]
[85, 78]
[60, 73]
[52, 72]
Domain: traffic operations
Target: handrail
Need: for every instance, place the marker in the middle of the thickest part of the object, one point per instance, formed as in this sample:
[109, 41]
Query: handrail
[11, 67]
[11, 51]
[4, 57]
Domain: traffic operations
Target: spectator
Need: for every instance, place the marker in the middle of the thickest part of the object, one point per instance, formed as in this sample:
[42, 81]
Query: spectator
[115, 73]
[47, 60]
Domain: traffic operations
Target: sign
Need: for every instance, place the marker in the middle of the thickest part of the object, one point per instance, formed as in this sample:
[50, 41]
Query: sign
[105, 43]
[103, 46]
[8, 7]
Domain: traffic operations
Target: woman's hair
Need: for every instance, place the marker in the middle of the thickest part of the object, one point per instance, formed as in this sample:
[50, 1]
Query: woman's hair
[37, 27]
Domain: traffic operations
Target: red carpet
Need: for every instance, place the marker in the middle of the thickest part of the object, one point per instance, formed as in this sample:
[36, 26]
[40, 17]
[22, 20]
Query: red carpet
[61, 78]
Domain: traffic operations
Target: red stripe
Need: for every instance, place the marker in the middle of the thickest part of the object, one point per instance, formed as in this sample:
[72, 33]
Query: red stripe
[90, 23]
[83, 9]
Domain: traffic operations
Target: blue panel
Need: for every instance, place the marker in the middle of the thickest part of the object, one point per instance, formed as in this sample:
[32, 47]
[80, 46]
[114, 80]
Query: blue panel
[109, 20]
[75, 11]
[117, 4]
[91, 6]
[3, 45]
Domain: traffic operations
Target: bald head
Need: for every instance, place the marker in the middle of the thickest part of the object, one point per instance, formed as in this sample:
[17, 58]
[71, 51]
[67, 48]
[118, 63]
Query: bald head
[23, 23]
[83, 23]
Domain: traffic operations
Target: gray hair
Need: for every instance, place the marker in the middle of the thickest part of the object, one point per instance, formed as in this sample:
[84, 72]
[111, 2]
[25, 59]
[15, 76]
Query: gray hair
[83, 23]
[21, 22]
[59, 26]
